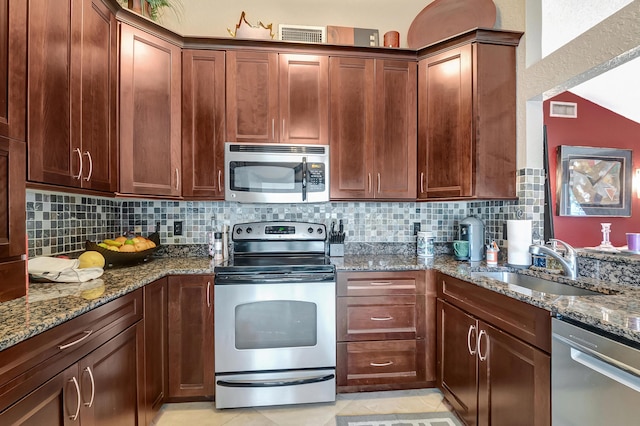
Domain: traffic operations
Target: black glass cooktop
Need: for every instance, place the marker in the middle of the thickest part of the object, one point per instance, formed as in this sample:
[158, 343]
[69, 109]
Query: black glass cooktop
[276, 263]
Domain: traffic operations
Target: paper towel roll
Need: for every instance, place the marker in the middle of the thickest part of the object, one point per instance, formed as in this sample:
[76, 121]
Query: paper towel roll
[518, 242]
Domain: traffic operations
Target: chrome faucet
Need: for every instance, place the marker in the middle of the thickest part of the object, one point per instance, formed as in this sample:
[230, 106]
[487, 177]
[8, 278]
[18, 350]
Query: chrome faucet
[568, 260]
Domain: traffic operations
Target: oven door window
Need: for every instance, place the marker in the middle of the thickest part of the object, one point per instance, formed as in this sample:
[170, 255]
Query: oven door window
[265, 177]
[275, 324]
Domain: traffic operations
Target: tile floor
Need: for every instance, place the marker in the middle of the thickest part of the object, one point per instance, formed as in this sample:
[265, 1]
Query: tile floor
[321, 414]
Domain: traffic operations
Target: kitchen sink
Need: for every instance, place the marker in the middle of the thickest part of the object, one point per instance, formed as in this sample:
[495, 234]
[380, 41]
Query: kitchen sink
[536, 284]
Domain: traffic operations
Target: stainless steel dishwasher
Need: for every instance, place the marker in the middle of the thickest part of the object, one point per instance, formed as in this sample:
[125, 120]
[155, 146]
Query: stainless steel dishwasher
[595, 380]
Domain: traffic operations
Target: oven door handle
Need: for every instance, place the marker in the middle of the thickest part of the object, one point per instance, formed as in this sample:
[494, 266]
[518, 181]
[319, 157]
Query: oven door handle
[274, 383]
[262, 279]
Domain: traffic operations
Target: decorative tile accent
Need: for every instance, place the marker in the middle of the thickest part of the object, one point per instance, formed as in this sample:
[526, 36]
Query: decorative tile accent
[60, 223]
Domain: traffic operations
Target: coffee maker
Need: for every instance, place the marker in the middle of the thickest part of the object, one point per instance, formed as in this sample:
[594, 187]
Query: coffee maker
[472, 229]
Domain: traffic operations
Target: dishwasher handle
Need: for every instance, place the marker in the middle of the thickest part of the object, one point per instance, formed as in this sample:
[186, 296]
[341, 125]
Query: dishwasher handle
[607, 369]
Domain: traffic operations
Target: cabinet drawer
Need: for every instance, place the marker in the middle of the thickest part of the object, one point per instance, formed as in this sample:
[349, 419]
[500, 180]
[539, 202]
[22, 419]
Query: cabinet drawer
[374, 363]
[379, 318]
[28, 364]
[381, 283]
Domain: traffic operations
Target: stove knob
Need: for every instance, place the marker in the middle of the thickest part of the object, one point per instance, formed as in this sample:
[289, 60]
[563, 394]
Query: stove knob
[320, 231]
[249, 230]
[238, 231]
[310, 230]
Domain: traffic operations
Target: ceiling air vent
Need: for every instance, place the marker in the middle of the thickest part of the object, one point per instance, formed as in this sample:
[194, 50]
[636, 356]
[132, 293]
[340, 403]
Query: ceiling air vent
[302, 33]
[563, 109]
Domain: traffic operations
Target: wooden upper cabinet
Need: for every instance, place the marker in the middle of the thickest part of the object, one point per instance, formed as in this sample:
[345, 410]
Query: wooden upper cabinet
[203, 123]
[304, 99]
[150, 102]
[395, 137]
[72, 82]
[13, 69]
[277, 98]
[467, 120]
[373, 128]
[12, 219]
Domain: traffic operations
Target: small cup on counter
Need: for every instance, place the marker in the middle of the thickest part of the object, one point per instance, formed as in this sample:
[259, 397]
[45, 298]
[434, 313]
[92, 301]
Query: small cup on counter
[633, 241]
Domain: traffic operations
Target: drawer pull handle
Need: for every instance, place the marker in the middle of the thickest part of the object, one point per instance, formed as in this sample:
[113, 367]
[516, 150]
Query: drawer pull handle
[74, 417]
[380, 283]
[93, 388]
[381, 318]
[87, 333]
[381, 364]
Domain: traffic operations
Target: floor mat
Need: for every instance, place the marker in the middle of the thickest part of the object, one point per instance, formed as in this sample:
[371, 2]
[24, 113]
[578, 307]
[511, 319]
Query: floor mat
[409, 419]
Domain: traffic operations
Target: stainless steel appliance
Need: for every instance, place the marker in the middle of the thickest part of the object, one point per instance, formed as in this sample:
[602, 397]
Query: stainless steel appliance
[276, 173]
[472, 229]
[595, 379]
[275, 330]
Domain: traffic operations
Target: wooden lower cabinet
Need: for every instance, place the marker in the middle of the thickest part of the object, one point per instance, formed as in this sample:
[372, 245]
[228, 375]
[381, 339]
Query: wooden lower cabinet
[155, 347]
[385, 330]
[100, 389]
[489, 376]
[190, 327]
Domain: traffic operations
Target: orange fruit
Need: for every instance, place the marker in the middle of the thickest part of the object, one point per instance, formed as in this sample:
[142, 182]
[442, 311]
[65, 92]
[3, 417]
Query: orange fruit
[120, 239]
[127, 248]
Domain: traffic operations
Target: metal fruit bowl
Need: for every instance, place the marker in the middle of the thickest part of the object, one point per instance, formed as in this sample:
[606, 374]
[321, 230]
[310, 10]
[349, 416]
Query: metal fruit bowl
[116, 258]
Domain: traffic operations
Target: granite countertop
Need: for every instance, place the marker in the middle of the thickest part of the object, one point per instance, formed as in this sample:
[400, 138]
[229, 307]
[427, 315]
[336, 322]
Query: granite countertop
[50, 304]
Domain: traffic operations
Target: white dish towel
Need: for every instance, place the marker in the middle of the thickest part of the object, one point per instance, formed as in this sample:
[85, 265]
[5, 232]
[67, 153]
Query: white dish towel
[61, 270]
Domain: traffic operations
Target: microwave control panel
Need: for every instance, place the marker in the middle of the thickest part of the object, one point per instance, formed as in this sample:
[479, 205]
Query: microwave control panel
[316, 177]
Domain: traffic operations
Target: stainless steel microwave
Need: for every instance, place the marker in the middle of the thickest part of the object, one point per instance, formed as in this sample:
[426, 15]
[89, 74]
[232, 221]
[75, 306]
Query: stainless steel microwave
[276, 173]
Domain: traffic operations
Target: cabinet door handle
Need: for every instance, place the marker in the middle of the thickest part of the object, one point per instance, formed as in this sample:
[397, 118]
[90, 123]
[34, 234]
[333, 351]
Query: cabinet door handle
[208, 294]
[381, 318]
[88, 154]
[381, 364]
[482, 333]
[380, 283]
[177, 177]
[282, 138]
[79, 175]
[273, 129]
[422, 182]
[471, 330]
[369, 181]
[219, 180]
[378, 183]
[74, 417]
[93, 388]
[87, 333]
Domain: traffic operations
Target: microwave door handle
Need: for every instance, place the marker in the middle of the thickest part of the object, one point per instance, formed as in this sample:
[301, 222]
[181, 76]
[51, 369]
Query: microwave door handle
[304, 178]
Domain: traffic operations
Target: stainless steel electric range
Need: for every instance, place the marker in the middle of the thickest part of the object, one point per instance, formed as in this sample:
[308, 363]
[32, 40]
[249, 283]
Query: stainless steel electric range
[275, 338]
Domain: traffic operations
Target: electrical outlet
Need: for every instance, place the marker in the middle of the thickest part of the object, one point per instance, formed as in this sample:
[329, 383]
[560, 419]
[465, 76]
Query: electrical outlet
[177, 228]
[416, 228]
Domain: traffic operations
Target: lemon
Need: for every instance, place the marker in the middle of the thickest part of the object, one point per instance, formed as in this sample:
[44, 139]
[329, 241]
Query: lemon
[91, 259]
[130, 242]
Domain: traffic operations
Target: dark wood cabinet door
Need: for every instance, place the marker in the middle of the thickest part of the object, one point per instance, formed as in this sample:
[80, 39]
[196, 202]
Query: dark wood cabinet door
[54, 403]
[514, 381]
[352, 100]
[94, 100]
[252, 96]
[395, 138]
[445, 135]
[110, 380]
[12, 219]
[155, 348]
[150, 102]
[203, 123]
[190, 324]
[457, 371]
[304, 99]
[53, 157]
[13, 68]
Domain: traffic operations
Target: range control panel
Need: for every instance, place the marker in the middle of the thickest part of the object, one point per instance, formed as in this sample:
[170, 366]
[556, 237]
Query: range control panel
[274, 231]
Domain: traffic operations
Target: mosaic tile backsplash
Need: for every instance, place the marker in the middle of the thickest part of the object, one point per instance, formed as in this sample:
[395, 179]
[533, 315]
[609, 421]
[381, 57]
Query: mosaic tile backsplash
[61, 223]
